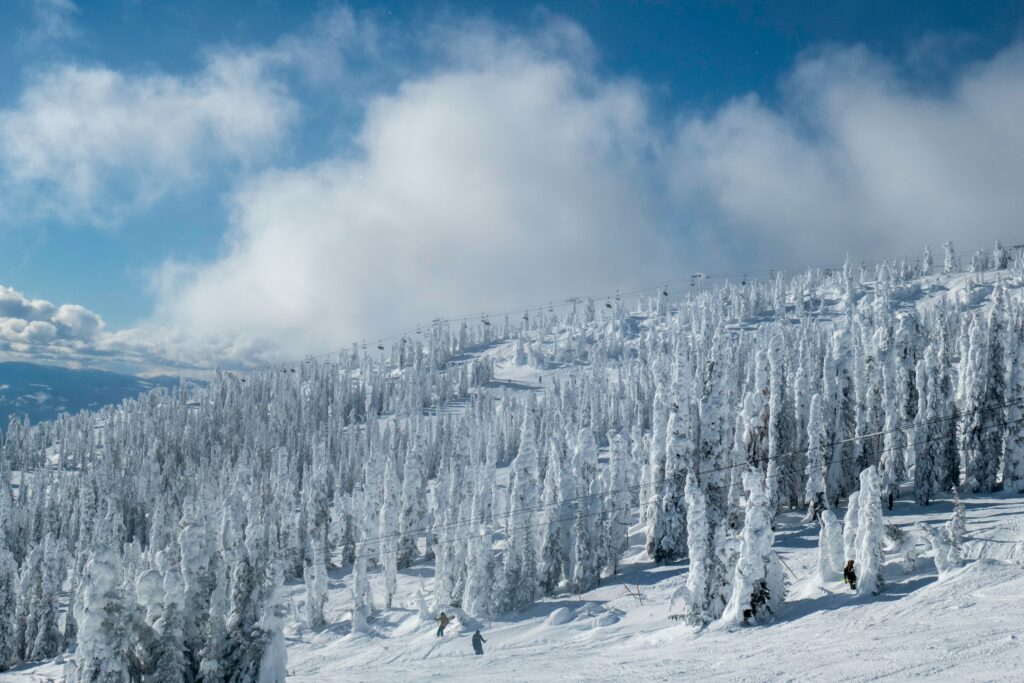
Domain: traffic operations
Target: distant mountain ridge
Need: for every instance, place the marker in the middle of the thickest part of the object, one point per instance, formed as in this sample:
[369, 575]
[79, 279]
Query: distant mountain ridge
[42, 392]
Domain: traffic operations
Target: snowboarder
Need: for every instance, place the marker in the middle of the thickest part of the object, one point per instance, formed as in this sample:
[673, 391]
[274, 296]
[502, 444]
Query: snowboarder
[478, 643]
[850, 576]
[442, 621]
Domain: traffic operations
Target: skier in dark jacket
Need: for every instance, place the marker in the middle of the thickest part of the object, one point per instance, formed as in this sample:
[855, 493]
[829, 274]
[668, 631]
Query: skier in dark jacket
[442, 621]
[850, 576]
[478, 643]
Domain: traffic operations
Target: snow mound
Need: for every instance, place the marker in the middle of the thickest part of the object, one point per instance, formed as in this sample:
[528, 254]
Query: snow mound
[562, 615]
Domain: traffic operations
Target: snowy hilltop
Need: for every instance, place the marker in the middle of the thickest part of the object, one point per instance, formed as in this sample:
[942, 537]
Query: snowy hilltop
[814, 476]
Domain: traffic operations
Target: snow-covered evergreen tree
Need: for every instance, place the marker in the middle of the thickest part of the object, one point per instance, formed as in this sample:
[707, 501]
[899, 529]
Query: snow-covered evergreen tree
[1013, 459]
[695, 596]
[411, 519]
[759, 585]
[8, 602]
[105, 650]
[983, 435]
[870, 534]
[666, 535]
[388, 530]
[949, 263]
[830, 548]
[850, 522]
[814, 490]
[170, 662]
[616, 497]
[520, 559]
[588, 523]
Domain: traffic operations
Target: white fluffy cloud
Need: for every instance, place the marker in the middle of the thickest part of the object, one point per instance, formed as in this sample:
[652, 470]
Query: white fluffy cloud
[509, 171]
[858, 159]
[507, 177]
[87, 143]
[513, 174]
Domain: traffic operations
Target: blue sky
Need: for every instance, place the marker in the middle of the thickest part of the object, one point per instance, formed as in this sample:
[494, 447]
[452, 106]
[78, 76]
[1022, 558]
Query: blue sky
[154, 155]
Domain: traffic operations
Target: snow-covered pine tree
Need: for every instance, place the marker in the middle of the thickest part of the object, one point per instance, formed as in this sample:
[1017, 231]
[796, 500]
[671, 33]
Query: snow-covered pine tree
[944, 417]
[830, 548]
[870, 534]
[315, 577]
[654, 472]
[759, 585]
[273, 662]
[105, 650]
[8, 602]
[840, 454]
[983, 437]
[893, 438]
[520, 560]
[947, 556]
[170, 662]
[41, 582]
[617, 499]
[949, 263]
[388, 530]
[211, 657]
[476, 595]
[411, 518]
[553, 549]
[588, 525]
[362, 601]
[198, 585]
[926, 450]
[814, 489]
[850, 521]
[1013, 459]
[666, 535]
[695, 597]
[956, 527]
[778, 474]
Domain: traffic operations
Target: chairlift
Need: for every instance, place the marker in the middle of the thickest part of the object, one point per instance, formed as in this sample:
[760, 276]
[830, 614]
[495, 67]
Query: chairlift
[551, 307]
[363, 345]
[664, 290]
[526, 316]
[380, 345]
[607, 304]
[484, 320]
[744, 281]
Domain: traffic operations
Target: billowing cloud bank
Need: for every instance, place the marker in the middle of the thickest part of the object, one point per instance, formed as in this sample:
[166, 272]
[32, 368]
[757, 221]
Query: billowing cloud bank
[504, 169]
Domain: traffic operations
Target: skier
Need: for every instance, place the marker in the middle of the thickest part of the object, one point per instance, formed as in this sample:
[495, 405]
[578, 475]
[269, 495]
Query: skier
[442, 621]
[850, 576]
[478, 643]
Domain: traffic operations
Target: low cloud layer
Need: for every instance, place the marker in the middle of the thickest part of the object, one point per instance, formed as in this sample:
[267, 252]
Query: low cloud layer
[36, 330]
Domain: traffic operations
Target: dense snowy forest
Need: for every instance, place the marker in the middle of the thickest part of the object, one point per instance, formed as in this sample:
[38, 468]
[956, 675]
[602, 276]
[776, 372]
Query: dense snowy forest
[151, 540]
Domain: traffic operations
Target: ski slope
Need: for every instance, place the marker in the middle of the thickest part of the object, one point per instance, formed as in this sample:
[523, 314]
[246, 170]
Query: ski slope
[964, 626]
